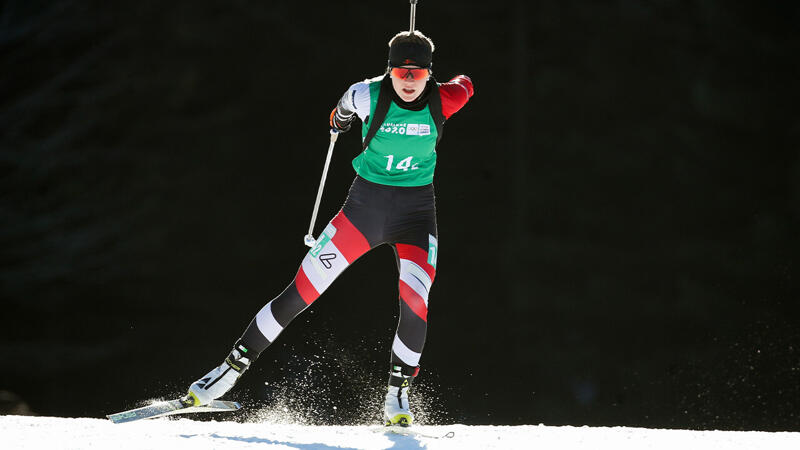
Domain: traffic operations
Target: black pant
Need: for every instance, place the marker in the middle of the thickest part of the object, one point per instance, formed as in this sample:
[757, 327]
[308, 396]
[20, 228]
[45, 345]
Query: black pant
[373, 214]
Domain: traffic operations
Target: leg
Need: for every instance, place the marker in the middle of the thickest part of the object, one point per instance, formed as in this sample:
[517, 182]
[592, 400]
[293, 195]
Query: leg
[340, 244]
[417, 267]
[416, 278]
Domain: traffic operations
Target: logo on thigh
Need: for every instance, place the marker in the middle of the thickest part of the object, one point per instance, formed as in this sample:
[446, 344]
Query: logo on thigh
[326, 259]
[433, 250]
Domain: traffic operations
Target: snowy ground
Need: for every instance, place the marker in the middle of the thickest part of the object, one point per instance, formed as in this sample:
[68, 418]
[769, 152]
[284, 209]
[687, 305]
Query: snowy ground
[19, 432]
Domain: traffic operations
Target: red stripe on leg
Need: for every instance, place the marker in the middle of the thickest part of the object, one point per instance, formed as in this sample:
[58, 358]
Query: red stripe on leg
[304, 287]
[417, 255]
[348, 239]
[413, 300]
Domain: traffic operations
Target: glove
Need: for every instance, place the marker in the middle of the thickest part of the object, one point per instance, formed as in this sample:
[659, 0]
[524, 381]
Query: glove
[339, 123]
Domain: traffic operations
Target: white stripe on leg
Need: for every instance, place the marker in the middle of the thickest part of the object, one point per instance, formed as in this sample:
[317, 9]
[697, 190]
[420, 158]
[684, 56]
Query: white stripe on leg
[409, 357]
[267, 324]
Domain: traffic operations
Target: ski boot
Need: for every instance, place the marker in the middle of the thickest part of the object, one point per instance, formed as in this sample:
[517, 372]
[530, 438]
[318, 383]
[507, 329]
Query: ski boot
[395, 407]
[221, 379]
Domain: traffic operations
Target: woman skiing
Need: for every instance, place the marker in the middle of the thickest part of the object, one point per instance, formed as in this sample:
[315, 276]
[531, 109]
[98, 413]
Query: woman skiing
[391, 201]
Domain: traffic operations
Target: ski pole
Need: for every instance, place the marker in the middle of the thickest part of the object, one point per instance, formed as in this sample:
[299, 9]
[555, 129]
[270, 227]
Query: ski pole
[309, 238]
[413, 14]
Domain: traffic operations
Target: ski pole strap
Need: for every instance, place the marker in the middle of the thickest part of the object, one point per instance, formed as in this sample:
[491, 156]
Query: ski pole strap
[377, 117]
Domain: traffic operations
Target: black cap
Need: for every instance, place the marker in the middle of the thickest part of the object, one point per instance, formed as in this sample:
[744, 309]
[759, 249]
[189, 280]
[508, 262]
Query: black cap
[410, 51]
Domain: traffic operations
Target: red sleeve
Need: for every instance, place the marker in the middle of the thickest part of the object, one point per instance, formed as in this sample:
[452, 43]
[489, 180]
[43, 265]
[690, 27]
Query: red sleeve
[455, 94]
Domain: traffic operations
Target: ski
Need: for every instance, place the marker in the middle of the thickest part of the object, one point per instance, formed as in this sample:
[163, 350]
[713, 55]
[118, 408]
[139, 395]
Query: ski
[410, 431]
[170, 407]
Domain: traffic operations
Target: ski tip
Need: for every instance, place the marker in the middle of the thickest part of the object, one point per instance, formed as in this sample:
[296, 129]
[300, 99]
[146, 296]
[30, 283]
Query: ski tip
[122, 417]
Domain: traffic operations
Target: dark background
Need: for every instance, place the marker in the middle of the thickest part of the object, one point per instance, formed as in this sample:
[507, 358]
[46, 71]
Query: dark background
[619, 207]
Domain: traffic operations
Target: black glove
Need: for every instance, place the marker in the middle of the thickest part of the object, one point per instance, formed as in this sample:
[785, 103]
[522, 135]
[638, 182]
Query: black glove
[339, 123]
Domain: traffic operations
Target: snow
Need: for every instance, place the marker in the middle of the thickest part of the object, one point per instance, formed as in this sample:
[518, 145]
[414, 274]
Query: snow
[53, 433]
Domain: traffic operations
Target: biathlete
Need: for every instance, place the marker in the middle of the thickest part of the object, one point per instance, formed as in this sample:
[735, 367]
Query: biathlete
[390, 202]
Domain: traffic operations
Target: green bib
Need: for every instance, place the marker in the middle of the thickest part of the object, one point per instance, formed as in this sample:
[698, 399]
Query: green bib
[403, 151]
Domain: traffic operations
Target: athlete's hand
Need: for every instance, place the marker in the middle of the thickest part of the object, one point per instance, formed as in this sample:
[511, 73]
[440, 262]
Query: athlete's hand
[339, 123]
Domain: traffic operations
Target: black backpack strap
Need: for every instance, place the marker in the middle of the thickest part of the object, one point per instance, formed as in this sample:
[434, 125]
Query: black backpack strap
[435, 106]
[378, 116]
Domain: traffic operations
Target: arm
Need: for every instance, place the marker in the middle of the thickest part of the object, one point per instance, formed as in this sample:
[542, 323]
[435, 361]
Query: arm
[455, 94]
[354, 102]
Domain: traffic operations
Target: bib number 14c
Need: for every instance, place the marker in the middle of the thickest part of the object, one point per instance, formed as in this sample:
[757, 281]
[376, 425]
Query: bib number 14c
[403, 165]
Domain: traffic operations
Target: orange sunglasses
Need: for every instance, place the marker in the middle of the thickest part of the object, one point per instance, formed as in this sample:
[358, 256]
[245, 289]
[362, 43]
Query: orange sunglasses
[404, 72]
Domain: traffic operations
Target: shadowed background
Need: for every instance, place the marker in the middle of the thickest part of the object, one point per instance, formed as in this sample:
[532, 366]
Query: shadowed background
[619, 207]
